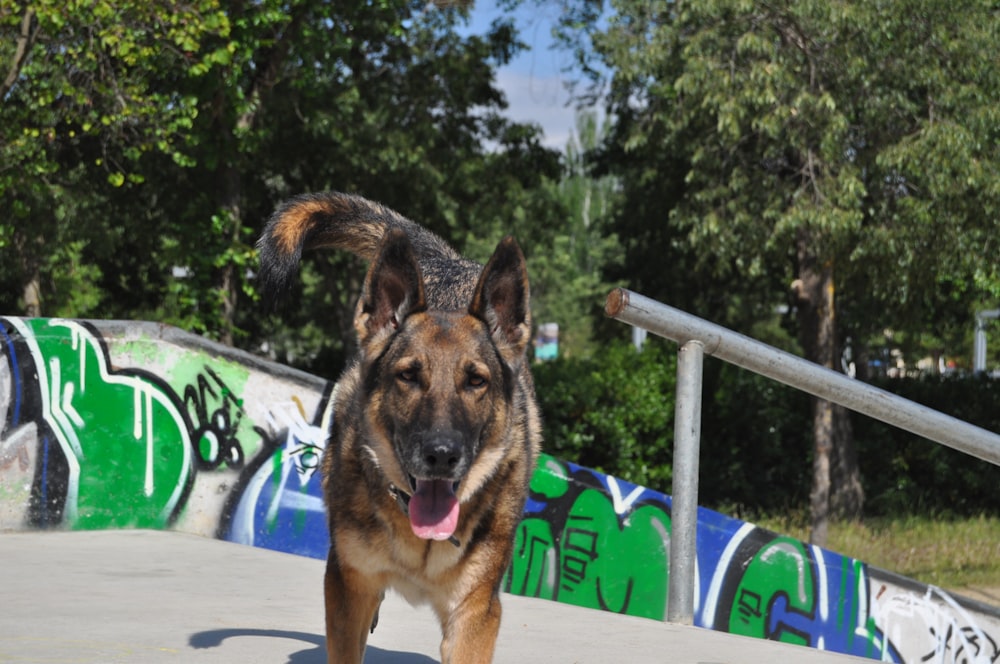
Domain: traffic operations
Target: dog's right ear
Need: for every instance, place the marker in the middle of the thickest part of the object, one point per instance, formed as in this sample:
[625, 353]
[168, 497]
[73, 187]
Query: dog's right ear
[394, 289]
[501, 300]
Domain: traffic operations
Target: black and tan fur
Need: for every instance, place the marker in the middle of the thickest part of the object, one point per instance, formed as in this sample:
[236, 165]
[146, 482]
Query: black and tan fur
[438, 396]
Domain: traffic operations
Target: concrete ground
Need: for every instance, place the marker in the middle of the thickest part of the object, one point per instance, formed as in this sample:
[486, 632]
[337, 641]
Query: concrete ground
[149, 596]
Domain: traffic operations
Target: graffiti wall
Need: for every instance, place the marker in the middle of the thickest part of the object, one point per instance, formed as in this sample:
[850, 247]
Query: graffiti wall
[598, 541]
[136, 425]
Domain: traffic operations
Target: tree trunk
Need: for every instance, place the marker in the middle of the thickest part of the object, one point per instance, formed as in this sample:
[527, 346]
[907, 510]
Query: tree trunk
[31, 288]
[836, 486]
[33, 296]
[819, 496]
[232, 208]
[231, 196]
[847, 496]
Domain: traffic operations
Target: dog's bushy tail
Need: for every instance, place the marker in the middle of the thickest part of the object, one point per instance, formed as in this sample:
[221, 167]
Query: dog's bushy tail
[335, 220]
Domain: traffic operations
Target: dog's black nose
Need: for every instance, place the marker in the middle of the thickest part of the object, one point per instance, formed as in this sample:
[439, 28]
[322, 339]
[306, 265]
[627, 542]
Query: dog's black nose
[442, 453]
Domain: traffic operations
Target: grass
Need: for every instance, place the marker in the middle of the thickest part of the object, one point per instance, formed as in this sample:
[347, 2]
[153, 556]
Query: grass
[948, 553]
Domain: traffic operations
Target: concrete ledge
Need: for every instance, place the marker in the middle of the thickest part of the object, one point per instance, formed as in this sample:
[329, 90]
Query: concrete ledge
[154, 596]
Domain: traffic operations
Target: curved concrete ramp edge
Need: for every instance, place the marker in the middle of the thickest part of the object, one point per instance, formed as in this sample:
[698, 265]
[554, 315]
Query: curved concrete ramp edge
[111, 425]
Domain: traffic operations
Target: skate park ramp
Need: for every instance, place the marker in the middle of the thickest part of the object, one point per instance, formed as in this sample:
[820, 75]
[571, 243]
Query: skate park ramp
[153, 596]
[159, 499]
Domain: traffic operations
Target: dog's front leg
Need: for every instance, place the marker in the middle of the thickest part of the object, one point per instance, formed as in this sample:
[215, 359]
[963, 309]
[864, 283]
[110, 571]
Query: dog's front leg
[352, 602]
[470, 633]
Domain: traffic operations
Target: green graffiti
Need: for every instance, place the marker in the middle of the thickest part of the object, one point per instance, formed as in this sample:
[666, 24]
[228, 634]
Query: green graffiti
[124, 439]
[781, 568]
[549, 479]
[211, 395]
[534, 569]
[615, 564]
[587, 554]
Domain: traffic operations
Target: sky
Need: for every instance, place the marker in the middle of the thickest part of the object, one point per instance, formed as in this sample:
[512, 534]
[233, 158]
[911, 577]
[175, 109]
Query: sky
[533, 82]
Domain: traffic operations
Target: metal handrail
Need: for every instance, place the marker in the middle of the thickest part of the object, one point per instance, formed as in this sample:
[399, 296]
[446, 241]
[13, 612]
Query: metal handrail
[699, 337]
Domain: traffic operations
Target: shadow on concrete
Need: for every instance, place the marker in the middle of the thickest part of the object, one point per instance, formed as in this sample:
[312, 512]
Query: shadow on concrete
[375, 655]
[213, 638]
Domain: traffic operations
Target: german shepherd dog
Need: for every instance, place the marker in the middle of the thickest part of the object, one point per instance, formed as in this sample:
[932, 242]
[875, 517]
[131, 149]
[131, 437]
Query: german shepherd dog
[435, 431]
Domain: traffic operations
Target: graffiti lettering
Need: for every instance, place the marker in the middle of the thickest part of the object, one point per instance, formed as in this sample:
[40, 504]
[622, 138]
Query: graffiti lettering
[936, 628]
[581, 548]
[217, 413]
[280, 500]
[749, 606]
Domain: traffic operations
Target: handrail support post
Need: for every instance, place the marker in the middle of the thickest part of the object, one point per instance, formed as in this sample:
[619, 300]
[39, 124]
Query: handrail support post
[684, 504]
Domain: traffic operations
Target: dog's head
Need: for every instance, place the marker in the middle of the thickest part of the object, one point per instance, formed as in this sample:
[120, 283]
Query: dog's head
[440, 383]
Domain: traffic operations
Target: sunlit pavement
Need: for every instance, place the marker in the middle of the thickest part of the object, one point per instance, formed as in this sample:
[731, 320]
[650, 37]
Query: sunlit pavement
[150, 596]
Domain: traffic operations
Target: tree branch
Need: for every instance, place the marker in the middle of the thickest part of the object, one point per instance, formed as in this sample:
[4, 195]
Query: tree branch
[29, 31]
[268, 71]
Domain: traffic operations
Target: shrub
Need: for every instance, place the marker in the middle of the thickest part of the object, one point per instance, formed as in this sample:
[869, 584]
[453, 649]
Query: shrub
[756, 443]
[615, 412]
[904, 474]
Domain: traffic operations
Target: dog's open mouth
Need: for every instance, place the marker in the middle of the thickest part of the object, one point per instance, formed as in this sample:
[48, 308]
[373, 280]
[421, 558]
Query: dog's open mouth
[433, 509]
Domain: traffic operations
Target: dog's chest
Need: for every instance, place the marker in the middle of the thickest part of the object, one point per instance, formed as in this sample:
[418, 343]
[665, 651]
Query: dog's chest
[428, 561]
[422, 570]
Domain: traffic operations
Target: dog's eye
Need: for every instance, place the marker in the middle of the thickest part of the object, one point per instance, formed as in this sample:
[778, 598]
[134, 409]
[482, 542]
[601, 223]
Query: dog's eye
[407, 376]
[476, 381]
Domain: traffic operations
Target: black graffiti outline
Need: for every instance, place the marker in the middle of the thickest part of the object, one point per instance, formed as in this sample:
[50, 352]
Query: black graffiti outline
[969, 636]
[220, 424]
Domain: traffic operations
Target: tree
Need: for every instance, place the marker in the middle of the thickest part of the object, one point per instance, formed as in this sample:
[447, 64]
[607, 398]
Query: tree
[394, 103]
[833, 144]
[79, 105]
[144, 144]
[568, 283]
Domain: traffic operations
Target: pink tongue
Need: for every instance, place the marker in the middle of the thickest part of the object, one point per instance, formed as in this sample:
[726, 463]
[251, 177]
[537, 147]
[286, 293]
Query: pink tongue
[434, 510]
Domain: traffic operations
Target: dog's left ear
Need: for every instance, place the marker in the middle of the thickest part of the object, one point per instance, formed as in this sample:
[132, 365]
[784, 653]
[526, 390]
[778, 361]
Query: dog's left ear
[501, 299]
[394, 289]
